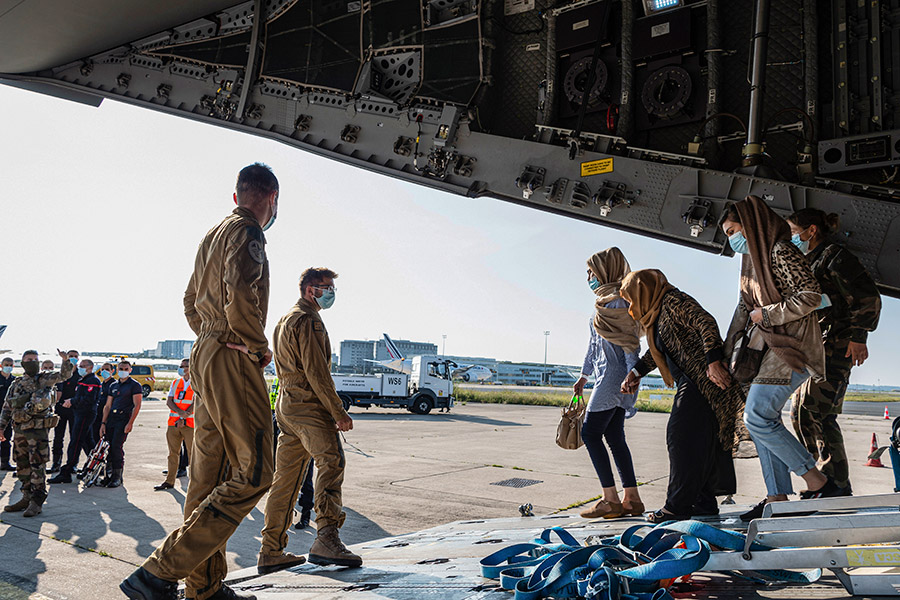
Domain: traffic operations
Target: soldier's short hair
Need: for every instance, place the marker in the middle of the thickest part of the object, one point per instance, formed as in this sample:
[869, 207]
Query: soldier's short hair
[106, 364]
[72, 352]
[254, 183]
[124, 362]
[314, 276]
[7, 359]
[186, 360]
[47, 365]
[27, 352]
[89, 361]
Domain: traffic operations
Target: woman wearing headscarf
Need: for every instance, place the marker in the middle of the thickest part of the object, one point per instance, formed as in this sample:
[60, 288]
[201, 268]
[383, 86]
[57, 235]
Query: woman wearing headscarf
[684, 344]
[612, 352]
[850, 309]
[779, 295]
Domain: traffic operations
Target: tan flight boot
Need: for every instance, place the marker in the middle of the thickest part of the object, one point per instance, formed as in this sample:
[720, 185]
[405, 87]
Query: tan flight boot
[269, 563]
[328, 549]
[20, 505]
[34, 508]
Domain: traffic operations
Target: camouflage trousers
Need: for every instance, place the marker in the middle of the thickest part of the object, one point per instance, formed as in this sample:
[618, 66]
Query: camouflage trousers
[815, 411]
[31, 451]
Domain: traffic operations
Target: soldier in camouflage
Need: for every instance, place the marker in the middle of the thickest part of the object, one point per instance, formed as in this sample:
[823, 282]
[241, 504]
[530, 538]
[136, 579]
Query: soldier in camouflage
[29, 405]
[851, 306]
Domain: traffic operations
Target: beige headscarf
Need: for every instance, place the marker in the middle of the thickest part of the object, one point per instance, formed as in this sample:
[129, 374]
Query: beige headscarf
[614, 325]
[644, 290]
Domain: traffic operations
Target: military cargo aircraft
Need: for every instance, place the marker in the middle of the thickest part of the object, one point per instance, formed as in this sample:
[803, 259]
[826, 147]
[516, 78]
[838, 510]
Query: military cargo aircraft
[643, 115]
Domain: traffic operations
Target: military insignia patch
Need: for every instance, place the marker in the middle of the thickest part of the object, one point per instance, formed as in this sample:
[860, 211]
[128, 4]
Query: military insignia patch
[318, 326]
[257, 252]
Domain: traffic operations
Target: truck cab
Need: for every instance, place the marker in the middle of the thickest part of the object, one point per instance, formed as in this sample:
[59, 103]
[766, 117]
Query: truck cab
[428, 385]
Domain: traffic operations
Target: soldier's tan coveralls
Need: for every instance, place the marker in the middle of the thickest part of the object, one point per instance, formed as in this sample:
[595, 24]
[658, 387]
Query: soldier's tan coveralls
[307, 409]
[231, 465]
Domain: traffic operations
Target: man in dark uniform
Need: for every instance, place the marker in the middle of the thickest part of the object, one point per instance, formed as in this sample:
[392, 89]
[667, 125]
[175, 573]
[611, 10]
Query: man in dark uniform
[84, 407]
[121, 410]
[6, 379]
[65, 391]
[225, 303]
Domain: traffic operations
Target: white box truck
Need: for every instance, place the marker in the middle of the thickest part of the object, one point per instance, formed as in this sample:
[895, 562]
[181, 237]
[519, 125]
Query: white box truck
[427, 386]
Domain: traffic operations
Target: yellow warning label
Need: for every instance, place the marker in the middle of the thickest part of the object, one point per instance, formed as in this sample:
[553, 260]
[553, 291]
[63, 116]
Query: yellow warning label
[596, 167]
[860, 557]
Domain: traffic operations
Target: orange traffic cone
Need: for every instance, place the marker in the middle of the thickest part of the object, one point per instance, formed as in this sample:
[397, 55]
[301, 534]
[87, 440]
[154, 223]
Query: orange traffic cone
[886, 415]
[874, 454]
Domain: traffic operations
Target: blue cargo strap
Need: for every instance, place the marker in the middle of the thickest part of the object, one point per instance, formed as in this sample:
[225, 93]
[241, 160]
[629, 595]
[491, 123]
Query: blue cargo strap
[517, 555]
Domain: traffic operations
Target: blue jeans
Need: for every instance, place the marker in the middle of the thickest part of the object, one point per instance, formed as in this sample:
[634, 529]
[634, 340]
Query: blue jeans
[779, 451]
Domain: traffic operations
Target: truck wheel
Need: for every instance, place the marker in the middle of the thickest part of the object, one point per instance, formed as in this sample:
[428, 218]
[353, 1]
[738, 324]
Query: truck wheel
[145, 390]
[422, 404]
[346, 402]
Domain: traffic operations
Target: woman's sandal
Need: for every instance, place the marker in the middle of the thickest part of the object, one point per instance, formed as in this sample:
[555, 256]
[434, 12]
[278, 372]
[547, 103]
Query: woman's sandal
[658, 516]
[633, 509]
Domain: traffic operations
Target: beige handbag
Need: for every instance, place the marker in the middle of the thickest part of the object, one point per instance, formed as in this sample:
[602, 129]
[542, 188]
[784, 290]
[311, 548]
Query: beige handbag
[568, 432]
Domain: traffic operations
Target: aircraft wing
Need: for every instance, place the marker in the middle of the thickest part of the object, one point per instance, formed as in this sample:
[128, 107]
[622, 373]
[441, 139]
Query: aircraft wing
[633, 115]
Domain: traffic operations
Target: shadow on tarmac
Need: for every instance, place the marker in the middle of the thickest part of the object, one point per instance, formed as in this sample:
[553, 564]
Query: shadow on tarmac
[403, 416]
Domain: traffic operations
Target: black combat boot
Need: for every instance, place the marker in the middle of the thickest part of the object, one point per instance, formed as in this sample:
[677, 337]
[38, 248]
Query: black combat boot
[57, 463]
[303, 523]
[143, 585]
[115, 478]
[64, 476]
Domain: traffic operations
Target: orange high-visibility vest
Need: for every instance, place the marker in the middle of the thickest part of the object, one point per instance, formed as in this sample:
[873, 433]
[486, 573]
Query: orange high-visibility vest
[184, 399]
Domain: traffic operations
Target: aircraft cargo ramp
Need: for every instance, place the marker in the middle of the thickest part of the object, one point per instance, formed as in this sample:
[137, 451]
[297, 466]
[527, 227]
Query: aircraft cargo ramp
[443, 563]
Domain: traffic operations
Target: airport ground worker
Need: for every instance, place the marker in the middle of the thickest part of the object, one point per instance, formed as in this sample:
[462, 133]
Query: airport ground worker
[180, 429]
[310, 415]
[846, 318]
[225, 304]
[29, 405]
[84, 412]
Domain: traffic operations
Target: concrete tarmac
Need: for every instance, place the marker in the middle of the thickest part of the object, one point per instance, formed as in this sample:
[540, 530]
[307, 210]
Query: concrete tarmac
[405, 473]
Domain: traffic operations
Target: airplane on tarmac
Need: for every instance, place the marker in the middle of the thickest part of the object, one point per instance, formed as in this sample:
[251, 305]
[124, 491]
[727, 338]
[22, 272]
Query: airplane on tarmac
[397, 362]
[649, 116]
[2, 331]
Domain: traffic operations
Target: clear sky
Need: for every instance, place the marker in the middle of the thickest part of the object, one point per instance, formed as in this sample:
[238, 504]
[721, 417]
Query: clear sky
[103, 209]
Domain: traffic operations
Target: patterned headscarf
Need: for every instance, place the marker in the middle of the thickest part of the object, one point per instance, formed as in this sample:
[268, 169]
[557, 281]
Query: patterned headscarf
[644, 290]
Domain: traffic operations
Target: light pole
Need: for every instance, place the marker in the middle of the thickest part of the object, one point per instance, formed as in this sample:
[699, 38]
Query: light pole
[546, 337]
[444, 345]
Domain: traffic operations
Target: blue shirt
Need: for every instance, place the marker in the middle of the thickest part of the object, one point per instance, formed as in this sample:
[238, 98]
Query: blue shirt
[123, 395]
[609, 364]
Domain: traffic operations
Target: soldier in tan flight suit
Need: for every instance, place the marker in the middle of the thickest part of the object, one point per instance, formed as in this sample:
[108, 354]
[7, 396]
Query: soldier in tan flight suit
[231, 465]
[310, 415]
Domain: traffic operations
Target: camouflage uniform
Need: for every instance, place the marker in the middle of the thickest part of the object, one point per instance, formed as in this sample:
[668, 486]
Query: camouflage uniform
[855, 309]
[29, 405]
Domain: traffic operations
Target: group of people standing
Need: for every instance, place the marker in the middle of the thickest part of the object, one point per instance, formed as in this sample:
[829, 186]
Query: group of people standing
[73, 398]
[806, 307]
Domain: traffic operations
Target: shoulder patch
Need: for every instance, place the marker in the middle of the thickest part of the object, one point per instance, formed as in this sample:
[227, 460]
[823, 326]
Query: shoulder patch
[257, 251]
[318, 326]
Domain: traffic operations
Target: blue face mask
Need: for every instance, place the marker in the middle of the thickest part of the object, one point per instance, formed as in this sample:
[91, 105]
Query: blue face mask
[825, 303]
[803, 245]
[326, 299]
[7, 370]
[180, 372]
[594, 283]
[82, 371]
[739, 243]
[105, 374]
[271, 221]
[73, 360]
